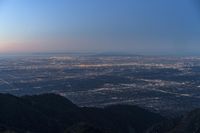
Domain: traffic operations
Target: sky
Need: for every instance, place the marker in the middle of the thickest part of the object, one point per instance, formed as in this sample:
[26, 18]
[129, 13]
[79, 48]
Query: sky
[128, 26]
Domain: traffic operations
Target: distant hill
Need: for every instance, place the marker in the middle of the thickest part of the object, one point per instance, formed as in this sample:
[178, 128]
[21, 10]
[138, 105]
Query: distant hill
[50, 113]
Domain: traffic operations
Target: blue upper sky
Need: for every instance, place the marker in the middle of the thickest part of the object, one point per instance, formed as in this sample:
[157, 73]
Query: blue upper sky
[132, 26]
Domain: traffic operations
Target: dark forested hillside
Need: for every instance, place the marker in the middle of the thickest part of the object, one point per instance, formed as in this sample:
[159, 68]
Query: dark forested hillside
[50, 113]
[190, 123]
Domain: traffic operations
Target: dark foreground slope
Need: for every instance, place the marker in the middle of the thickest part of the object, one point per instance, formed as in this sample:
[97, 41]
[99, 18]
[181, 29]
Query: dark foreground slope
[51, 113]
[189, 123]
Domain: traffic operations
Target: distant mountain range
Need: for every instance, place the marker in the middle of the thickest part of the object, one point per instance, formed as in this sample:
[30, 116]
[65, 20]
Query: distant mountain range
[50, 113]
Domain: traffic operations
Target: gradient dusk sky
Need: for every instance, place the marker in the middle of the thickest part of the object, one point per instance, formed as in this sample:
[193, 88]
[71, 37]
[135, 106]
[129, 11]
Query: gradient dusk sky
[132, 26]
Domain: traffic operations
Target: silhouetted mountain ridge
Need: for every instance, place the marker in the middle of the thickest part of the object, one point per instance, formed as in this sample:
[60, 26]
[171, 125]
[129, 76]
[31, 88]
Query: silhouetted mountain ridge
[190, 123]
[50, 113]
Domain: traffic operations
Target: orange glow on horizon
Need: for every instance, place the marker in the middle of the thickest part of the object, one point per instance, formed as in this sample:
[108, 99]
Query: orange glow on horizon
[39, 45]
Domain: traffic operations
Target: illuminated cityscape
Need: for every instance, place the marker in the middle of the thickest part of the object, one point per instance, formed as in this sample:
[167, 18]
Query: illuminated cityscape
[167, 85]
